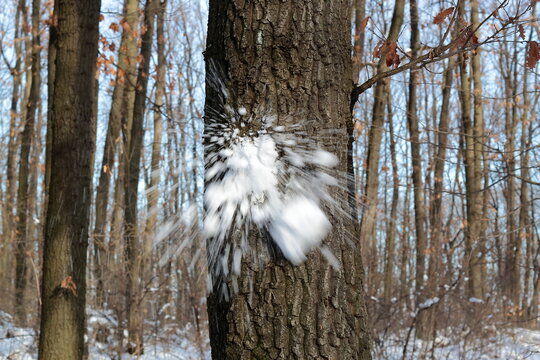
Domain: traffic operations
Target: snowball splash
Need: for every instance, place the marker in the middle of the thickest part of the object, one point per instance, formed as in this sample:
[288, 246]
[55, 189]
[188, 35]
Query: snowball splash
[261, 177]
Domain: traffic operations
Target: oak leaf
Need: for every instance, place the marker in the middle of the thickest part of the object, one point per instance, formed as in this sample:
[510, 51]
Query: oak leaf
[362, 25]
[533, 54]
[440, 17]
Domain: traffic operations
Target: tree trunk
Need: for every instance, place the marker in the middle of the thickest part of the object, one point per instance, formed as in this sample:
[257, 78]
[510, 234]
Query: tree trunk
[477, 256]
[474, 206]
[71, 131]
[24, 167]
[127, 64]
[391, 235]
[133, 247]
[436, 213]
[293, 58]
[423, 329]
[370, 198]
[10, 195]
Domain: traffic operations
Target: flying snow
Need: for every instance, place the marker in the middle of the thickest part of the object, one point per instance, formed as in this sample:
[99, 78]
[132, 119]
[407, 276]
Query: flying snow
[266, 178]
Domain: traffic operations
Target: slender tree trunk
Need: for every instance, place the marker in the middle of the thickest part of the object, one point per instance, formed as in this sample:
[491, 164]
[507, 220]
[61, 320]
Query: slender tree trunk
[127, 64]
[24, 168]
[308, 311]
[8, 220]
[370, 198]
[133, 246]
[526, 225]
[511, 284]
[153, 191]
[477, 256]
[436, 214]
[391, 235]
[359, 36]
[423, 330]
[473, 205]
[71, 130]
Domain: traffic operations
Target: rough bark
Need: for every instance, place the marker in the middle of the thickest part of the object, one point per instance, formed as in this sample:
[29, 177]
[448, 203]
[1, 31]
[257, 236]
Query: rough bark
[295, 59]
[71, 131]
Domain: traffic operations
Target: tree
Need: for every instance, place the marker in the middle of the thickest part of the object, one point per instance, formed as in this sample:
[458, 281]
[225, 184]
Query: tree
[24, 165]
[70, 151]
[135, 257]
[298, 66]
[120, 105]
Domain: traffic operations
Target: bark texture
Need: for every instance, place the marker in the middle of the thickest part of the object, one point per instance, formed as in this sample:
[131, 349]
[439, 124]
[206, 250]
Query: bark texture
[71, 143]
[292, 58]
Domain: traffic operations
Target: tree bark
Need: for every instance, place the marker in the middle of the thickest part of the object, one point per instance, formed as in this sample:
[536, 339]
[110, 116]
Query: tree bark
[391, 235]
[473, 205]
[71, 131]
[293, 58]
[423, 329]
[127, 64]
[370, 198]
[24, 167]
[133, 246]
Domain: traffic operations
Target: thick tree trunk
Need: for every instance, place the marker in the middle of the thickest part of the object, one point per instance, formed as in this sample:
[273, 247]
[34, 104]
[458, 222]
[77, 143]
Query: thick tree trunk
[293, 58]
[71, 131]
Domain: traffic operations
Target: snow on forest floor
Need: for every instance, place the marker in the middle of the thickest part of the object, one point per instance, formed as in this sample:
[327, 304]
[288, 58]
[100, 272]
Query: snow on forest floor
[21, 344]
[505, 344]
[516, 344]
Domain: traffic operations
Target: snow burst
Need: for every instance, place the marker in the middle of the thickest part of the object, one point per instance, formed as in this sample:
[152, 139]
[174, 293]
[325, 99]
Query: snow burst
[265, 178]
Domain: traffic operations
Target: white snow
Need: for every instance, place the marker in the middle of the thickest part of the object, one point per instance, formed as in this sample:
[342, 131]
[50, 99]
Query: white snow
[273, 179]
[21, 343]
[507, 344]
[476, 300]
[298, 228]
[429, 303]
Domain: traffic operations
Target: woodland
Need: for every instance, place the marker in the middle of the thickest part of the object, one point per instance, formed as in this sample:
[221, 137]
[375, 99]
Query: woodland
[269, 179]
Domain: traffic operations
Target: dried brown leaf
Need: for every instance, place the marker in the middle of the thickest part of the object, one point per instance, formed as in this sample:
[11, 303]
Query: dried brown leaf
[440, 17]
[69, 284]
[521, 31]
[362, 25]
[533, 54]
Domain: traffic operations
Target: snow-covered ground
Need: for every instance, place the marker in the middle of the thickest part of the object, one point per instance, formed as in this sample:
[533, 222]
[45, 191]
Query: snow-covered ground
[507, 344]
[21, 344]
